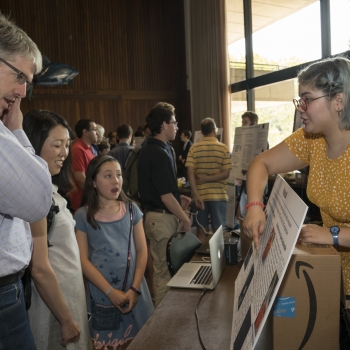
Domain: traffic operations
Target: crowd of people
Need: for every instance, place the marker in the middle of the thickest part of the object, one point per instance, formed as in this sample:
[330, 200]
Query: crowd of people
[50, 172]
[44, 163]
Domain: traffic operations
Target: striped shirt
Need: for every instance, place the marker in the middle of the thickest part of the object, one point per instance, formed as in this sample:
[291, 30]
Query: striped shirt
[208, 157]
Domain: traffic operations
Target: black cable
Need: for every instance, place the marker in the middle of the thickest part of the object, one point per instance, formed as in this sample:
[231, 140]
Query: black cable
[197, 319]
[239, 197]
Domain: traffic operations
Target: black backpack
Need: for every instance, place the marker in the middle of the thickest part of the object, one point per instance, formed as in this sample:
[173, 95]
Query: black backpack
[130, 182]
[27, 278]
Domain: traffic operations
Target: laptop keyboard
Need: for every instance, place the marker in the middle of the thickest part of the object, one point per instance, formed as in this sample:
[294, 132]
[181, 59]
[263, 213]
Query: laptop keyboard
[203, 276]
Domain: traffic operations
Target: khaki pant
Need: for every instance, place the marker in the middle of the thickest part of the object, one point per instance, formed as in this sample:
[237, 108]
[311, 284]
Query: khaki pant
[159, 227]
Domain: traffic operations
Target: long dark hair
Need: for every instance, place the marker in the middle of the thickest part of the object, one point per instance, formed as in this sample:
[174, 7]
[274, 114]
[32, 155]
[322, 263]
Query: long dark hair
[90, 195]
[37, 125]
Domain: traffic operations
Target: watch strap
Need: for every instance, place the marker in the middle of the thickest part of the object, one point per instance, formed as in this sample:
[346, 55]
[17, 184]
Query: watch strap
[335, 234]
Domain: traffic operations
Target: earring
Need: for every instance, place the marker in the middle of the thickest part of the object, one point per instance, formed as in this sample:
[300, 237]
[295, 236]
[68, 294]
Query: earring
[339, 112]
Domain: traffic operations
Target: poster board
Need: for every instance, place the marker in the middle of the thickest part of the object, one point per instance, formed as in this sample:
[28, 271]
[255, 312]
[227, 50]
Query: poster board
[198, 135]
[248, 143]
[262, 271]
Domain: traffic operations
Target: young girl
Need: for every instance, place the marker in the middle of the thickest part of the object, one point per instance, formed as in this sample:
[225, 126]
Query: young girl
[113, 255]
[58, 310]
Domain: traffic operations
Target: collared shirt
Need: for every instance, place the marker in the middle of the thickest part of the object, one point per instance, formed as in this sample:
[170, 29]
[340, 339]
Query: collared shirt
[82, 155]
[208, 157]
[156, 173]
[120, 153]
[94, 149]
[25, 196]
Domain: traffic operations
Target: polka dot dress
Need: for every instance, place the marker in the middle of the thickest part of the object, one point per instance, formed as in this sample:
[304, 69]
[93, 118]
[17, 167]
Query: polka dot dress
[328, 185]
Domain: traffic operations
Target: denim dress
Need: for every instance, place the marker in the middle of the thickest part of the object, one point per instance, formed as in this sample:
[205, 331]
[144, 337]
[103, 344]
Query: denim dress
[108, 252]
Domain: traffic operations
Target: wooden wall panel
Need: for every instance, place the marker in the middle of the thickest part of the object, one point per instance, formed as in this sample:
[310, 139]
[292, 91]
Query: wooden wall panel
[130, 54]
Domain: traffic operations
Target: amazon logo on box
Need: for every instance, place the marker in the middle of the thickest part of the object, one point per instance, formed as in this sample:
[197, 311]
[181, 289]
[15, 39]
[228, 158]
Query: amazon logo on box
[306, 308]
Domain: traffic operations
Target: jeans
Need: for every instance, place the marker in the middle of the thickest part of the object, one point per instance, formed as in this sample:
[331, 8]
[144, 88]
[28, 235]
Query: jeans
[14, 327]
[217, 212]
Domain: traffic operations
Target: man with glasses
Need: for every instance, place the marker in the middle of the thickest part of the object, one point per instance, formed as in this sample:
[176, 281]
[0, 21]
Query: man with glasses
[25, 183]
[160, 197]
[82, 154]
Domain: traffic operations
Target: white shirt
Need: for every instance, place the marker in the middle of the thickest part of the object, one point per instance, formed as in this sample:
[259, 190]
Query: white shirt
[25, 196]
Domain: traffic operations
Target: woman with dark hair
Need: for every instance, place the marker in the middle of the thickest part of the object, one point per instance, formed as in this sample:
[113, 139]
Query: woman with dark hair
[324, 145]
[113, 255]
[58, 313]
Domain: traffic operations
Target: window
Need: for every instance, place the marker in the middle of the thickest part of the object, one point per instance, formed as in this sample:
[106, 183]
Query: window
[236, 35]
[285, 36]
[274, 105]
[285, 42]
[340, 36]
[238, 107]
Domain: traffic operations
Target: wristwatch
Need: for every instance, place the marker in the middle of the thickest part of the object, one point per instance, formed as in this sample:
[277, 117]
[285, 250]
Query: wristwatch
[335, 233]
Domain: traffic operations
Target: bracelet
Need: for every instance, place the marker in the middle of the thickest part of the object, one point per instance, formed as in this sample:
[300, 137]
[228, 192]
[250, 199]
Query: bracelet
[109, 290]
[135, 290]
[254, 203]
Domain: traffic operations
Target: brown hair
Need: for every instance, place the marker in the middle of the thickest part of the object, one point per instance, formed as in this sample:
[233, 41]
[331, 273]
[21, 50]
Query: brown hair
[90, 195]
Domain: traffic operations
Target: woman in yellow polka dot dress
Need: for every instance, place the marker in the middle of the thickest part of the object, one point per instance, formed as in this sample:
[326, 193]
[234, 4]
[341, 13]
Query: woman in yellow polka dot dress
[323, 144]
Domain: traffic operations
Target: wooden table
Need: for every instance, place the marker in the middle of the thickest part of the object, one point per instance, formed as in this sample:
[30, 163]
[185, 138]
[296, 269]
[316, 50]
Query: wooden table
[173, 323]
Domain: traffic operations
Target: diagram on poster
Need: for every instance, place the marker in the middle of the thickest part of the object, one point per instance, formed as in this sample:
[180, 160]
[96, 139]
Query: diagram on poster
[263, 270]
[248, 143]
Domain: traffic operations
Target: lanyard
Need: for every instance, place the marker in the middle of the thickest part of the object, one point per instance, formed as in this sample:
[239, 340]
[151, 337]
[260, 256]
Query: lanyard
[129, 250]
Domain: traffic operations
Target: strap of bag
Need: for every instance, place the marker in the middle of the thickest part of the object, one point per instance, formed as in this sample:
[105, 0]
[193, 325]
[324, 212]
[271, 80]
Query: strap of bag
[51, 218]
[129, 250]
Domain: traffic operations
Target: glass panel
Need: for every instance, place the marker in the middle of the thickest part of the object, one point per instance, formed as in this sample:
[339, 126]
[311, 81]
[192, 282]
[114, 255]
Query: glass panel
[340, 35]
[274, 105]
[285, 34]
[238, 107]
[235, 33]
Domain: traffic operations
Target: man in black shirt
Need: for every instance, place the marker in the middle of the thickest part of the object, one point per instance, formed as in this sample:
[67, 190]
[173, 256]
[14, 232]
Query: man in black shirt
[159, 193]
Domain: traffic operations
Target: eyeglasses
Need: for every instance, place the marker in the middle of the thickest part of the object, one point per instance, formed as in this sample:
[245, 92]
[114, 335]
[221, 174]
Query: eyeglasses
[20, 76]
[93, 129]
[304, 102]
[175, 123]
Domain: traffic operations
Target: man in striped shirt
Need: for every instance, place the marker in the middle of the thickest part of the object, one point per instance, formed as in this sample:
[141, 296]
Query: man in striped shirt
[208, 165]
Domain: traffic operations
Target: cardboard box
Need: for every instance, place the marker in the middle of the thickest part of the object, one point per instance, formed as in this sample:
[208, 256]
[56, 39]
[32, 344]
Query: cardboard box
[306, 308]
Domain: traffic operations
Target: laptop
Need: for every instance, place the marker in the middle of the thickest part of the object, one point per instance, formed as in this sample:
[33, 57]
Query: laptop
[203, 275]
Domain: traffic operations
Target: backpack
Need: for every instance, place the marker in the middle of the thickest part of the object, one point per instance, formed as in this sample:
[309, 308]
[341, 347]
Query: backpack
[27, 278]
[130, 182]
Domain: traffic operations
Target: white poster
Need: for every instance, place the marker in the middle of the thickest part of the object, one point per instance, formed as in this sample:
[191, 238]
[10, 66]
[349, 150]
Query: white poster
[198, 135]
[248, 143]
[263, 270]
